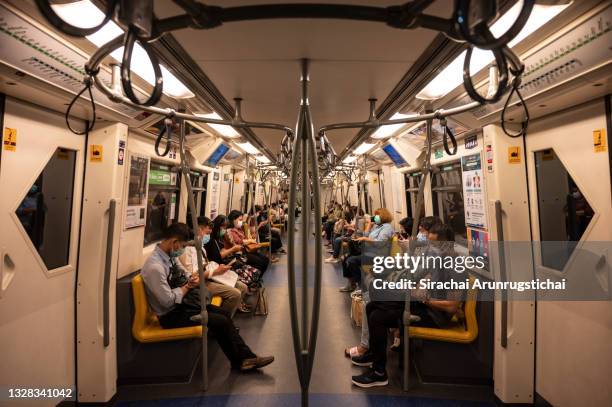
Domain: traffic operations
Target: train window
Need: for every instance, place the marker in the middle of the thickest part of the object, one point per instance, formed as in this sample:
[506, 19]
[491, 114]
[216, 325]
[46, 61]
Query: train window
[564, 212]
[162, 201]
[46, 211]
[198, 185]
[447, 198]
[412, 182]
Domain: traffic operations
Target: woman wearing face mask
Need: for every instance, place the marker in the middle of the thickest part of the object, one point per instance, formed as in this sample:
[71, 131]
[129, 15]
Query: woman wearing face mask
[215, 247]
[378, 229]
[235, 236]
[232, 296]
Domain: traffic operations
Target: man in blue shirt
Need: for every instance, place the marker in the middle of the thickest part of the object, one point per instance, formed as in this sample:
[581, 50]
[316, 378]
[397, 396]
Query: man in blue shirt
[175, 299]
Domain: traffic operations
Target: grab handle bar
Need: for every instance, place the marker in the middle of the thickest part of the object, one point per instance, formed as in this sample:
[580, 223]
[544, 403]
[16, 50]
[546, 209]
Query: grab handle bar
[110, 235]
[502, 273]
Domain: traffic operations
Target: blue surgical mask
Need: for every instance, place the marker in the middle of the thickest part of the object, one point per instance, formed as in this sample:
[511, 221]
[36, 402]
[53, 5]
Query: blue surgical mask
[205, 239]
[177, 253]
[377, 219]
[421, 237]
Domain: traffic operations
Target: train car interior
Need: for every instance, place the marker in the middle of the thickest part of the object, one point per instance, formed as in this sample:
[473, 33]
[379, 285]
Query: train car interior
[326, 203]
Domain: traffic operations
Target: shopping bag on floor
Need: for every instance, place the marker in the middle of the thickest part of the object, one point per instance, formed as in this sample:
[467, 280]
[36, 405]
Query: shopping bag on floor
[356, 308]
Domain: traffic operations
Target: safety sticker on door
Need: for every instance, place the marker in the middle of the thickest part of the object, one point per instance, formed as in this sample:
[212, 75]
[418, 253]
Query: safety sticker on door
[514, 155]
[10, 139]
[599, 140]
[95, 153]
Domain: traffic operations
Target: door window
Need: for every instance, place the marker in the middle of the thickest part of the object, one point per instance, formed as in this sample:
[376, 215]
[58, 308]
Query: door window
[45, 212]
[564, 212]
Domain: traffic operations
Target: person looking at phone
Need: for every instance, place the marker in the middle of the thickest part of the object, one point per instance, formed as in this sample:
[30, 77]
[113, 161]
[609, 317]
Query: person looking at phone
[236, 236]
[378, 229]
[232, 296]
[175, 298]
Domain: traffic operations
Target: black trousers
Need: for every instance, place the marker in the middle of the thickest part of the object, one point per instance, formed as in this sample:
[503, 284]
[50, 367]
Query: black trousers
[259, 261]
[383, 315]
[220, 325]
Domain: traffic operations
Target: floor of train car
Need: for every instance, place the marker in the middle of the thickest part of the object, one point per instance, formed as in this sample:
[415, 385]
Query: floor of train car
[277, 384]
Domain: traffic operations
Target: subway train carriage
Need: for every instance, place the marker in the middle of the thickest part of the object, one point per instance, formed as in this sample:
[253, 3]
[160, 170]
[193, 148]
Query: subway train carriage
[292, 203]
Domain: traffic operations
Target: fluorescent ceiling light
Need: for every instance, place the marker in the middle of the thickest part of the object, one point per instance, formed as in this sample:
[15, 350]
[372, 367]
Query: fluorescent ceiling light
[223, 129]
[248, 148]
[390, 129]
[349, 159]
[452, 75]
[85, 14]
[262, 159]
[363, 148]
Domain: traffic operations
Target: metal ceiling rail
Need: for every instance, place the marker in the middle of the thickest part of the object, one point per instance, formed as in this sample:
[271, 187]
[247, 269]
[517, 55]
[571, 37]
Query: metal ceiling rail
[115, 94]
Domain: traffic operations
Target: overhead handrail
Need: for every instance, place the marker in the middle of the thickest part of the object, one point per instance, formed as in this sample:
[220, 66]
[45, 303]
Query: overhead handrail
[143, 27]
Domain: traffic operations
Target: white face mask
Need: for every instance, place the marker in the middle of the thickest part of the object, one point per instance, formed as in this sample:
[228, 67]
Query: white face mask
[239, 224]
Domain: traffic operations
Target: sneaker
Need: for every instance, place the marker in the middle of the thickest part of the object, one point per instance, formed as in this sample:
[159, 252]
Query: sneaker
[256, 363]
[370, 379]
[362, 360]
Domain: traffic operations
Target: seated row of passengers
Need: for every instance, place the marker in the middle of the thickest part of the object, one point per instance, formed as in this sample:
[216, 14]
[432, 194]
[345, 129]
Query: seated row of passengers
[434, 308]
[172, 281]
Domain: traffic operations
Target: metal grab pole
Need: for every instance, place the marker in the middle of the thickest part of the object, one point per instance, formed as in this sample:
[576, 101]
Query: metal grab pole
[304, 344]
[198, 246]
[415, 227]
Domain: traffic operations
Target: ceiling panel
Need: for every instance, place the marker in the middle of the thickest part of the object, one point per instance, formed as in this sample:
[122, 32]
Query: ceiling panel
[259, 61]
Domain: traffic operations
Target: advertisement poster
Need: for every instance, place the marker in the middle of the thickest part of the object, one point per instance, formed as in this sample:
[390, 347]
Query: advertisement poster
[473, 191]
[136, 208]
[214, 192]
[478, 242]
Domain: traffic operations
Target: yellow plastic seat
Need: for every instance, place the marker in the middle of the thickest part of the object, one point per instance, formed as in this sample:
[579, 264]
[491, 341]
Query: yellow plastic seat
[464, 331]
[146, 327]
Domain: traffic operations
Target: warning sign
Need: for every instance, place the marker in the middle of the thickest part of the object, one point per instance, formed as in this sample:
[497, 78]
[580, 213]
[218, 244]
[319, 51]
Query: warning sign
[10, 139]
[95, 153]
[514, 155]
[599, 140]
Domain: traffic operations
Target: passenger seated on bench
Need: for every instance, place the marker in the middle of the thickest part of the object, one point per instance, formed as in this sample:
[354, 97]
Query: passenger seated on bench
[175, 299]
[436, 309]
[379, 229]
[232, 296]
[235, 236]
[265, 229]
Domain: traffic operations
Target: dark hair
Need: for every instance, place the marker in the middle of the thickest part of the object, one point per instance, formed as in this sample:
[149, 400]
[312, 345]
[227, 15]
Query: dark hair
[233, 215]
[177, 230]
[407, 224]
[429, 221]
[204, 221]
[444, 232]
[218, 222]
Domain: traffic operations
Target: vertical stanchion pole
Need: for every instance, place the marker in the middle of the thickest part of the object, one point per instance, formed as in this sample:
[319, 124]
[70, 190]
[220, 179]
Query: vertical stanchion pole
[198, 246]
[406, 315]
[304, 343]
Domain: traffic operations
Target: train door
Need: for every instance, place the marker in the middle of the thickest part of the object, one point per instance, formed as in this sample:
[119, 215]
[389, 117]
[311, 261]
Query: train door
[569, 186]
[41, 170]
